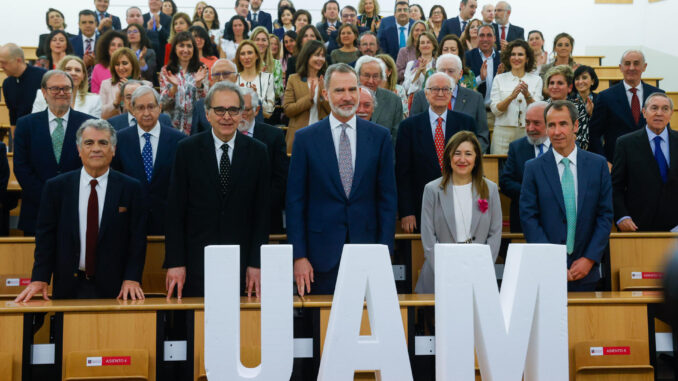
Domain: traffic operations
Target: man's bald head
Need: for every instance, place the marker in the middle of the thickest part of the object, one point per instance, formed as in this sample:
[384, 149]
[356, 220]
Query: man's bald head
[223, 70]
[12, 60]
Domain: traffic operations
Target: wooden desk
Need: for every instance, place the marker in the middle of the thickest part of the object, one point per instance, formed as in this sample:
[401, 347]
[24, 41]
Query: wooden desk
[589, 60]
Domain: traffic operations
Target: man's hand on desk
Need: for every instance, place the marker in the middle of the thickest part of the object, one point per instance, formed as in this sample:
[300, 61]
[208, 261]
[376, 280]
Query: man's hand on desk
[132, 288]
[176, 276]
[33, 288]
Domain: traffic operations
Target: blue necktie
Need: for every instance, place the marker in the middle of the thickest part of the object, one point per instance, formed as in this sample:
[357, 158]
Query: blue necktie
[567, 184]
[541, 149]
[403, 39]
[147, 156]
[463, 25]
[661, 160]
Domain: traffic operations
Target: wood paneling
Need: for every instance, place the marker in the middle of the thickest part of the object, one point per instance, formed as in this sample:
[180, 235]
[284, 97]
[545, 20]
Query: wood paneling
[638, 252]
[588, 60]
[11, 341]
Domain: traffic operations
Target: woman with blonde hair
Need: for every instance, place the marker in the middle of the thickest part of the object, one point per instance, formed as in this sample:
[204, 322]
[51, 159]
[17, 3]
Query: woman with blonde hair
[409, 52]
[262, 39]
[419, 69]
[199, 7]
[124, 65]
[462, 206]
[250, 74]
[368, 15]
[391, 82]
[83, 100]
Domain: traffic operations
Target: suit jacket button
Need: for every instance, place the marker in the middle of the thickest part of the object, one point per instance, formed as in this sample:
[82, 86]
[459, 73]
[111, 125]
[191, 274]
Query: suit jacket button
[473, 238]
[75, 275]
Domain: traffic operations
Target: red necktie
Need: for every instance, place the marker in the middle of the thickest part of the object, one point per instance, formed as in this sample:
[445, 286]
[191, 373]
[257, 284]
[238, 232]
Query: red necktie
[92, 234]
[439, 141]
[503, 32]
[635, 105]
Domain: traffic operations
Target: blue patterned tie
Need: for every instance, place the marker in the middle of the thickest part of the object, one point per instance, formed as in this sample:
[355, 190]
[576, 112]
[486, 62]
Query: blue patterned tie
[147, 156]
[541, 149]
[403, 38]
[661, 159]
[345, 161]
[567, 183]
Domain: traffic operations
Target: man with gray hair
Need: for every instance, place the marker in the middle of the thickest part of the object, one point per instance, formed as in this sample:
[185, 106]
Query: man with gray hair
[534, 144]
[44, 144]
[274, 138]
[618, 109]
[371, 71]
[504, 31]
[222, 70]
[420, 146]
[96, 213]
[487, 13]
[218, 195]
[341, 187]
[367, 103]
[146, 152]
[463, 100]
[22, 82]
[127, 119]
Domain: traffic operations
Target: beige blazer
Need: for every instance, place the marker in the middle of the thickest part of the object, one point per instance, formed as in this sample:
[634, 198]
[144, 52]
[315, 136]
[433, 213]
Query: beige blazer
[438, 225]
[297, 103]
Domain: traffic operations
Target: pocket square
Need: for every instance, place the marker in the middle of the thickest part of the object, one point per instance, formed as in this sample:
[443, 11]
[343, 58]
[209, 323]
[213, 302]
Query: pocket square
[122, 209]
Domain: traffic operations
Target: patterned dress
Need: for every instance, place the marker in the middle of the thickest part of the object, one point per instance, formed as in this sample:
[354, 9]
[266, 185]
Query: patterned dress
[180, 107]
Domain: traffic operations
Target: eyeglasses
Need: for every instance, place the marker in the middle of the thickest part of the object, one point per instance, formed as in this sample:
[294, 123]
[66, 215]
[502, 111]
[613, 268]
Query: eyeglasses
[132, 31]
[375, 77]
[248, 109]
[54, 90]
[223, 74]
[232, 111]
[150, 107]
[437, 90]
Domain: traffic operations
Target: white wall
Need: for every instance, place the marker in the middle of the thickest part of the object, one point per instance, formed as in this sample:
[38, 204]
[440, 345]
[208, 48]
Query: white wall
[598, 29]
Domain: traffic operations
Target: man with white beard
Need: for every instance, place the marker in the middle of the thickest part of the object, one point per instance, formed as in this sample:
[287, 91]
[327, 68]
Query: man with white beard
[535, 144]
[341, 186]
[367, 103]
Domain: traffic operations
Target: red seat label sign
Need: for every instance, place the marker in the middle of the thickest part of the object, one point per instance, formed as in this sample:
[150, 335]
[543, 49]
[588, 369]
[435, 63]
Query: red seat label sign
[109, 360]
[609, 351]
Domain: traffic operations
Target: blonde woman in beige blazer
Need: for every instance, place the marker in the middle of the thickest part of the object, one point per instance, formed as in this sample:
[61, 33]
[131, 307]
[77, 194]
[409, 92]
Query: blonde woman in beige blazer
[303, 102]
[460, 207]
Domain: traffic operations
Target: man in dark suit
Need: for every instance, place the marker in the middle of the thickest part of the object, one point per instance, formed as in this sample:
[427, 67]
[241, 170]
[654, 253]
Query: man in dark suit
[484, 61]
[420, 146]
[222, 70]
[330, 21]
[566, 199]
[503, 30]
[456, 25]
[106, 20]
[341, 186]
[219, 195]
[84, 44]
[146, 152]
[22, 82]
[618, 109]
[644, 185]
[371, 72]
[257, 17]
[463, 100]
[91, 234]
[127, 119]
[535, 144]
[395, 37]
[274, 138]
[44, 144]
[154, 19]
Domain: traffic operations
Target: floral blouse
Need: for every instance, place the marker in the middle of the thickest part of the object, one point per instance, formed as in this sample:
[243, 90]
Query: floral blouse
[278, 76]
[180, 107]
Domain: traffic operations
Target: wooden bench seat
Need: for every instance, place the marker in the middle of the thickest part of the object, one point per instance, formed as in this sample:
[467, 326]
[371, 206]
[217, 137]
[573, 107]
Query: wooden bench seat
[110, 364]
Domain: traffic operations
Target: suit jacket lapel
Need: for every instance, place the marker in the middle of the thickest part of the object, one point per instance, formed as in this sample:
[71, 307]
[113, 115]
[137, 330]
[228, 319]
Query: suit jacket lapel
[475, 213]
[69, 139]
[551, 175]
[623, 104]
[426, 140]
[460, 102]
[209, 156]
[673, 151]
[162, 156]
[363, 144]
[377, 111]
[329, 154]
[447, 206]
[582, 183]
[44, 135]
[113, 189]
[73, 207]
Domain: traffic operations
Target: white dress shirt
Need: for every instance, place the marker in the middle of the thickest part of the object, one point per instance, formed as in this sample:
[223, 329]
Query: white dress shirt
[91, 105]
[83, 200]
[502, 87]
[573, 168]
[53, 123]
[463, 201]
[664, 144]
[407, 31]
[335, 127]
[507, 26]
[433, 117]
[131, 120]
[546, 143]
[155, 138]
[217, 146]
[629, 94]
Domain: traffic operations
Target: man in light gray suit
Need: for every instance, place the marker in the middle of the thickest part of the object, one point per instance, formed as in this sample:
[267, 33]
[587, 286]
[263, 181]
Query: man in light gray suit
[464, 100]
[371, 71]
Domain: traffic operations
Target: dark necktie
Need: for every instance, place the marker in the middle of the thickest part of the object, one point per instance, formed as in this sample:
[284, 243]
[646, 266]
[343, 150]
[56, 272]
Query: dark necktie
[541, 149]
[147, 156]
[635, 105]
[88, 46]
[661, 159]
[92, 234]
[254, 16]
[224, 169]
[463, 25]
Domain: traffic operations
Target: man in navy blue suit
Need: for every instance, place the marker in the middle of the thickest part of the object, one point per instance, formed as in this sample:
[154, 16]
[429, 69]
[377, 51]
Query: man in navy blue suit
[394, 37]
[484, 61]
[44, 144]
[535, 144]
[566, 199]
[420, 146]
[341, 186]
[84, 44]
[618, 109]
[503, 30]
[106, 20]
[257, 17]
[330, 21]
[456, 25]
[91, 234]
[127, 119]
[146, 152]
